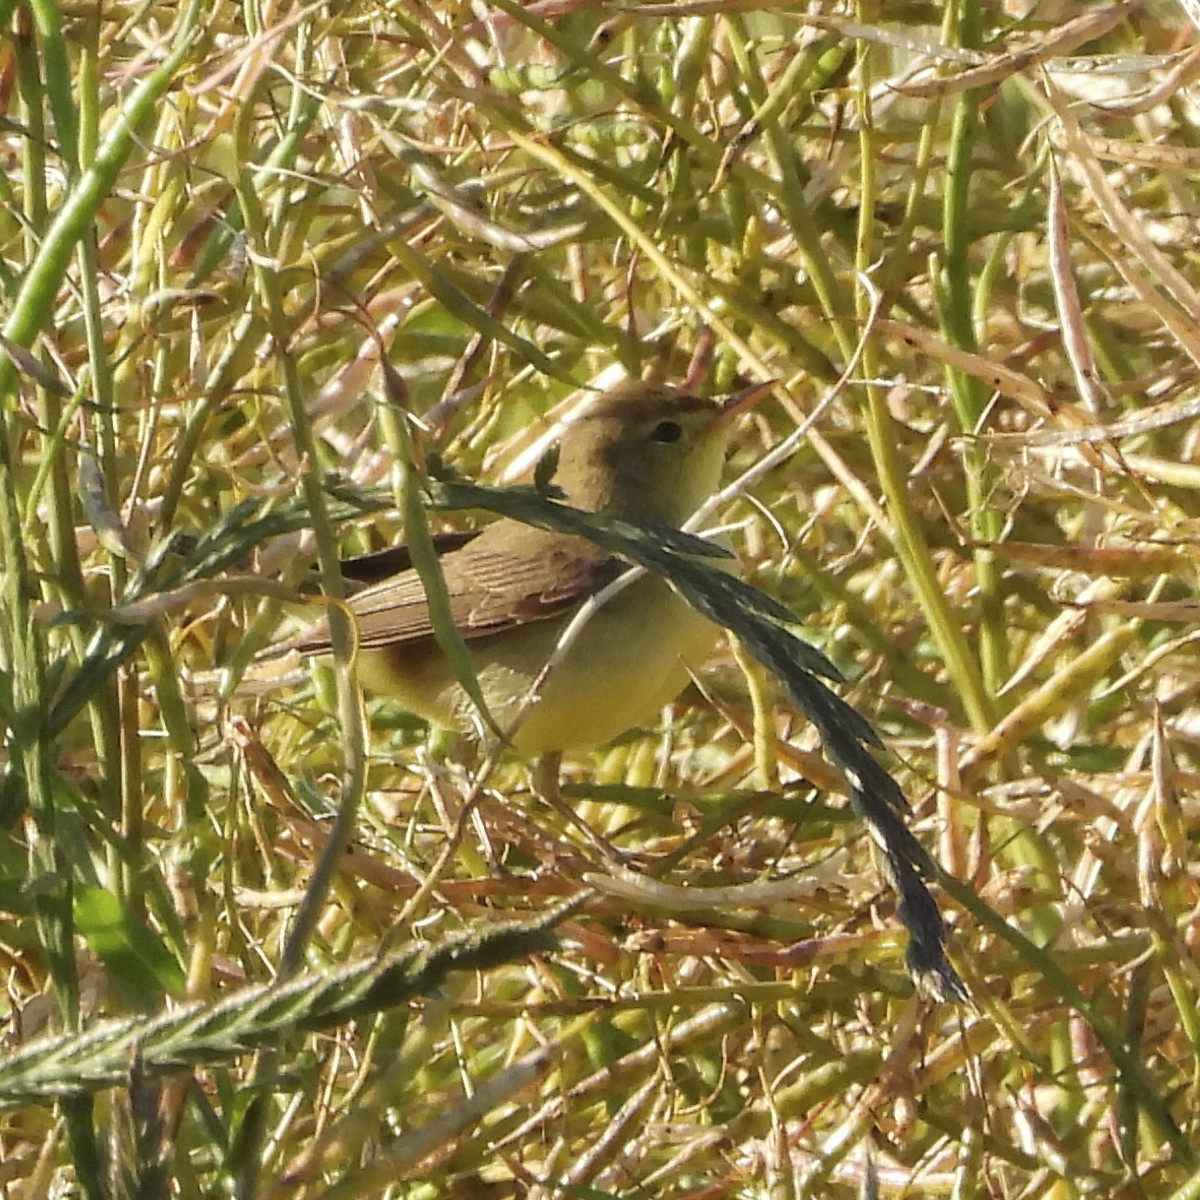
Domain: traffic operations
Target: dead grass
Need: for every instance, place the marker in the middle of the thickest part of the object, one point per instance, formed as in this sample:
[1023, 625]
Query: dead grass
[987, 528]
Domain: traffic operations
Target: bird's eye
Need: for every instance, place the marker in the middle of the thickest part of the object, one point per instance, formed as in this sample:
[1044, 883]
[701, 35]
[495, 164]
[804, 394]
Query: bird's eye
[667, 431]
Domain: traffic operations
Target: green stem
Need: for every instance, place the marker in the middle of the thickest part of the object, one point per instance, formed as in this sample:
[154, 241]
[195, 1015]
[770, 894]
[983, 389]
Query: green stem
[968, 394]
[58, 74]
[907, 536]
[35, 300]
[342, 636]
[119, 738]
[341, 629]
[832, 296]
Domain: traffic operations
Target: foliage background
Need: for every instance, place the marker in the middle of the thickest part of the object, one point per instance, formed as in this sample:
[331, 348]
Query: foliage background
[216, 218]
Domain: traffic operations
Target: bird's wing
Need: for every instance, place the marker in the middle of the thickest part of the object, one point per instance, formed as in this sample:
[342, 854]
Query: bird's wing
[368, 569]
[505, 577]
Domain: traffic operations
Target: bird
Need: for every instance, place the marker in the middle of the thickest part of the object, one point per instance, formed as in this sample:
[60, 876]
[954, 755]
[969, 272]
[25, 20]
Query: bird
[643, 452]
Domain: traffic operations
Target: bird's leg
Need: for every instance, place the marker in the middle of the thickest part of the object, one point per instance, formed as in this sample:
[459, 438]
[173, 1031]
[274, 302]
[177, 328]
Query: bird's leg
[544, 778]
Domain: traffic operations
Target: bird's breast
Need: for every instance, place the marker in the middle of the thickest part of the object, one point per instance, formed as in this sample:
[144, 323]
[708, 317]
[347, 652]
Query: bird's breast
[629, 659]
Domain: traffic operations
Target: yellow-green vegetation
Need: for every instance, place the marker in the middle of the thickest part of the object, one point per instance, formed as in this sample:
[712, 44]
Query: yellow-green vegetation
[266, 271]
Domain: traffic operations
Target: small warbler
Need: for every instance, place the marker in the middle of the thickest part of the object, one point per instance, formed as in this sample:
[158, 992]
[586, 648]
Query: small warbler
[643, 452]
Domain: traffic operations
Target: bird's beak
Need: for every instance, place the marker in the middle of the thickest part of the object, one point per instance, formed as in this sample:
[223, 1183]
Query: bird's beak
[746, 399]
